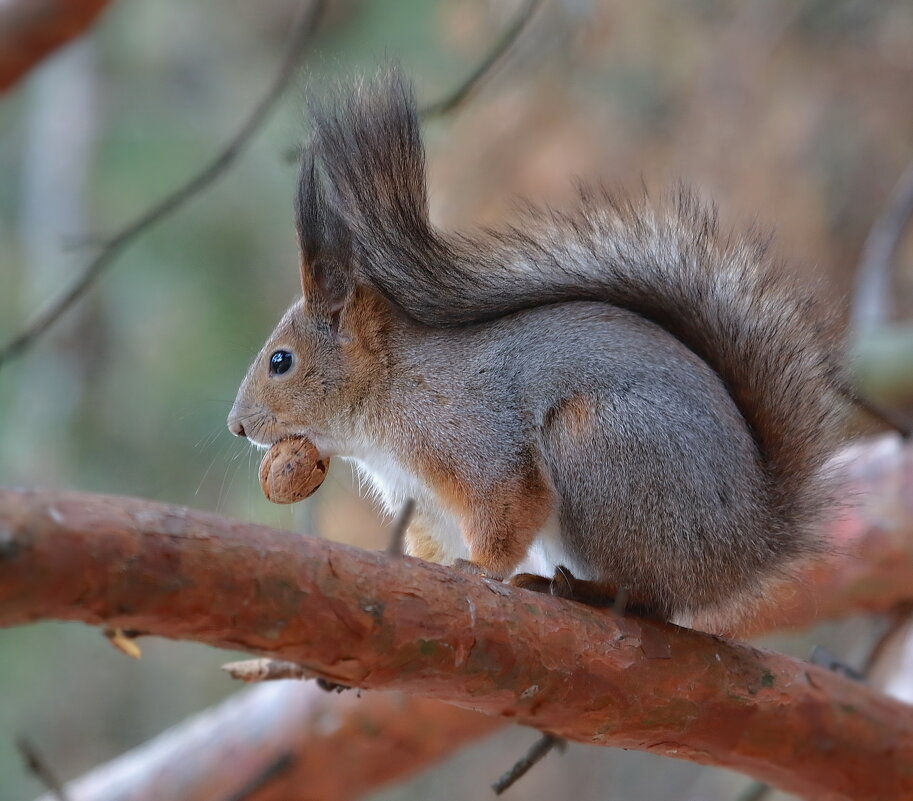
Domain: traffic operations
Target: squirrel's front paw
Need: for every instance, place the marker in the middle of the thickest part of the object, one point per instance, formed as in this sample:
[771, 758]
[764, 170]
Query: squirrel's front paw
[473, 569]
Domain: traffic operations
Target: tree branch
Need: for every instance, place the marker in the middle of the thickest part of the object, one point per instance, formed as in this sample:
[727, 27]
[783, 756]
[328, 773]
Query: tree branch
[32, 29]
[338, 747]
[301, 34]
[367, 620]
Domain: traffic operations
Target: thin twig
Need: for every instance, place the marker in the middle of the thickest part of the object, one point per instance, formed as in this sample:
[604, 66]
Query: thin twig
[899, 422]
[823, 657]
[398, 535]
[124, 640]
[272, 771]
[620, 604]
[301, 34]
[871, 293]
[461, 93]
[40, 769]
[536, 754]
[756, 791]
[486, 66]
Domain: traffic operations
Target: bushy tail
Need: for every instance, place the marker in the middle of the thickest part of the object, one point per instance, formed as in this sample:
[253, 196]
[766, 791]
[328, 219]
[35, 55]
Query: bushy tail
[723, 296]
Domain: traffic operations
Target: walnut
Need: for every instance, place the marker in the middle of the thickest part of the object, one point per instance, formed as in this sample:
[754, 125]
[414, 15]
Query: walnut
[291, 470]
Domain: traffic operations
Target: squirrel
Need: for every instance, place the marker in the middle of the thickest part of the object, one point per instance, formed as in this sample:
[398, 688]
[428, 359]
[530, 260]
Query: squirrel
[622, 393]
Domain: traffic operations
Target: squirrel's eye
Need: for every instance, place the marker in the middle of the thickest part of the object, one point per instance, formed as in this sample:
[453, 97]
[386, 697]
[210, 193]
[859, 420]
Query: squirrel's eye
[280, 362]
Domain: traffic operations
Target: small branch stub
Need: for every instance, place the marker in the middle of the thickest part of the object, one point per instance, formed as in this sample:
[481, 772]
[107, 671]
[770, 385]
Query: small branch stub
[256, 670]
[539, 750]
[125, 642]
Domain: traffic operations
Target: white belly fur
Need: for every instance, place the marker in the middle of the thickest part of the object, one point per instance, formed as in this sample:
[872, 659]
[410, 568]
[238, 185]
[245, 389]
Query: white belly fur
[392, 486]
[548, 551]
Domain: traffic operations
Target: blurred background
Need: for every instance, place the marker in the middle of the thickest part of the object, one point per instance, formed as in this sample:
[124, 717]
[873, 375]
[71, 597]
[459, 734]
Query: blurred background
[797, 114]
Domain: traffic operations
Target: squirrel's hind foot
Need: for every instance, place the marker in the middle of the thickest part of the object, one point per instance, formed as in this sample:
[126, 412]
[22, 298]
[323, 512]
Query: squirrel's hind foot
[564, 584]
[601, 594]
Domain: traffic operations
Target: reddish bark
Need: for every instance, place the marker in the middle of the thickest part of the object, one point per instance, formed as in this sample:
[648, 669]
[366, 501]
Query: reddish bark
[368, 620]
[341, 747]
[32, 29]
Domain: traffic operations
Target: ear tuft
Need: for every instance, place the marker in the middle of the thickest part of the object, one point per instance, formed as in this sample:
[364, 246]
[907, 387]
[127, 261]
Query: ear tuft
[324, 241]
[308, 202]
[368, 139]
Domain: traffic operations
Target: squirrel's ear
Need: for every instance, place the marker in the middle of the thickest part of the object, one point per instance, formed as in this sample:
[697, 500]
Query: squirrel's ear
[368, 140]
[325, 244]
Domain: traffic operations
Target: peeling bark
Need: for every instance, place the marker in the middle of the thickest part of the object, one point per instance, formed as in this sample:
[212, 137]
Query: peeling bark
[365, 619]
[32, 29]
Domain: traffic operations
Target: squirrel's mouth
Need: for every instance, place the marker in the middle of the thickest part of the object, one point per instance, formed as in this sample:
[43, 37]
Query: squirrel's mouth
[263, 434]
[257, 437]
[264, 444]
[261, 429]
[264, 441]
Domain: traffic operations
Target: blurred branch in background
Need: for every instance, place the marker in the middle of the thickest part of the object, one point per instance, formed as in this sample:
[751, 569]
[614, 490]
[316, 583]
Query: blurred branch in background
[339, 747]
[882, 348]
[302, 33]
[884, 364]
[463, 92]
[300, 37]
[364, 619]
[32, 29]
[486, 67]
[871, 308]
[37, 765]
[58, 160]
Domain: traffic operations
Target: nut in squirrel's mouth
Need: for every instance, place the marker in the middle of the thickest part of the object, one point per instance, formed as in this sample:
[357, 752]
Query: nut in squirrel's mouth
[291, 470]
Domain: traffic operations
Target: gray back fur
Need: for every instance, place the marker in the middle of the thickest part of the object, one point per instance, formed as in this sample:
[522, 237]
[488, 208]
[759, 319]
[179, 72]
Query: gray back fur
[723, 296]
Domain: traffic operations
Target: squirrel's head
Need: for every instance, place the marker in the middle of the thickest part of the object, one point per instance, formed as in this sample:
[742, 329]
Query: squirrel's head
[325, 356]
[361, 210]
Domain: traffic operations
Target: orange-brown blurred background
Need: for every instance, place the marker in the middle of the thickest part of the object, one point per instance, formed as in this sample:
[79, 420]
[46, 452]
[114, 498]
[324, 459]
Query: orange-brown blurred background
[796, 114]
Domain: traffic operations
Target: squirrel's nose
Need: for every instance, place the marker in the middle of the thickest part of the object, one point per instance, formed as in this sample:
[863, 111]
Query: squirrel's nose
[237, 429]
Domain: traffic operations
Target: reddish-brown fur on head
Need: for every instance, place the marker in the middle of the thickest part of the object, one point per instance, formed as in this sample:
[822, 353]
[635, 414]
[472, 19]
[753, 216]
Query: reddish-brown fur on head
[335, 334]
